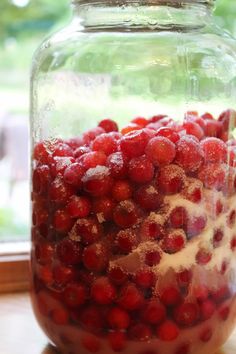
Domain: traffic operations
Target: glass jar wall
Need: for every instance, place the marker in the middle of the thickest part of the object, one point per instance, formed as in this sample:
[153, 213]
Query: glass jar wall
[134, 180]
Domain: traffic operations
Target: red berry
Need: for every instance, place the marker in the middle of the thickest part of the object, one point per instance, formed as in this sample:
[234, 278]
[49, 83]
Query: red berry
[213, 128]
[126, 240]
[88, 230]
[214, 150]
[170, 179]
[140, 332]
[60, 192]
[97, 181]
[91, 343]
[207, 115]
[73, 174]
[44, 149]
[81, 151]
[152, 228]
[160, 151]
[63, 275]
[206, 335]
[193, 190]
[75, 142]
[74, 294]
[207, 308]
[92, 159]
[233, 243]
[117, 275]
[213, 176]
[91, 134]
[154, 312]
[118, 318]
[102, 291]
[168, 133]
[201, 292]
[148, 197]
[44, 252]
[60, 316]
[157, 118]
[183, 349]
[189, 154]
[122, 190]
[170, 296]
[117, 165]
[192, 128]
[41, 179]
[221, 294]
[103, 208]
[62, 221]
[108, 125]
[168, 331]
[91, 318]
[184, 278]
[95, 257]
[152, 258]
[174, 241]
[228, 119]
[117, 341]
[217, 237]
[59, 165]
[130, 297]
[105, 143]
[145, 278]
[62, 149]
[195, 225]
[231, 218]
[186, 314]
[203, 257]
[140, 121]
[178, 217]
[140, 170]
[134, 143]
[79, 207]
[125, 214]
[69, 252]
[224, 313]
[45, 274]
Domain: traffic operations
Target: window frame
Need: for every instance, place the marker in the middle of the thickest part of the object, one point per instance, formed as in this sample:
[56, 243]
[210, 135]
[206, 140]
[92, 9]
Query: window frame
[14, 266]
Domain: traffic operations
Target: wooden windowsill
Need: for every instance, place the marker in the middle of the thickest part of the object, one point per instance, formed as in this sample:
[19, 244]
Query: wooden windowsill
[19, 332]
[14, 266]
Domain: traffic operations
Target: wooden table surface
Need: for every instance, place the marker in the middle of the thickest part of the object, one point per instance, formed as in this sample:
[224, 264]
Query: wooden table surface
[20, 334]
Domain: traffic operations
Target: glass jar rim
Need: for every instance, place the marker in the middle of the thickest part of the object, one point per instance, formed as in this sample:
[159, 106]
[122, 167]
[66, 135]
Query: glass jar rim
[175, 3]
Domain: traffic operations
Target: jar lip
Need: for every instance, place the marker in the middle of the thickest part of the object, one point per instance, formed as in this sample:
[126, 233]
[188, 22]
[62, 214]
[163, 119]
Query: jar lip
[174, 3]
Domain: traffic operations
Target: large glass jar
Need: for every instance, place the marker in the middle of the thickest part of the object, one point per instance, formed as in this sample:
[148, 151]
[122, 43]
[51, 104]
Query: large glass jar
[133, 180]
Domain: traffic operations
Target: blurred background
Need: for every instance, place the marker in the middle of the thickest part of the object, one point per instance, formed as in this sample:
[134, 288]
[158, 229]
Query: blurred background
[23, 25]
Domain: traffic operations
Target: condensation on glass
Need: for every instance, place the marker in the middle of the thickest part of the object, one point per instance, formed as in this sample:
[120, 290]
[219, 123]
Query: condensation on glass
[133, 180]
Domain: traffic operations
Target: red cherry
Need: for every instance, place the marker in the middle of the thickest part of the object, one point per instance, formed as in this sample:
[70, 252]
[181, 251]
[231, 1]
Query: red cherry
[151, 229]
[140, 121]
[157, 118]
[43, 150]
[207, 115]
[170, 179]
[91, 318]
[228, 119]
[170, 296]
[73, 174]
[88, 230]
[221, 294]
[60, 192]
[92, 159]
[95, 257]
[178, 217]
[186, 314]
[217, 237]
[201, 292]
[224, 313]
[91, 343]
[60, 316]
[231, 218]
[117, 275]
[81, 151]
[105, 143]
[97, 181]
[160, 151]
[154, 312]
[233, 243]
[174, 241]
[207, 308]
[140, 170]
[206, 335]
[168, 133]
[183, 349]
[184, 278]
[134, 143]
[41, 179]
[117, 341]
[59, 165]
[117, 165]
[75, 142]
[189, 154]
[140, 332]
[91, 134]
[195, 225]
[108, 125]
[126, 240]
[45, 274]
[62, 149]
[44, 252]
[79, 207]
[62, 221]
[69, 252]
[194, 129]
[118, 318]
[214, 150]
[193, 190]
[122, 190]
[168, 331]
[74, 294]
[213, 128]
[145, 278]
[148, 197]
[63, 275]
[130, 297]
[125, 214]
[102, 291]
[213, 176]
[103, 208]
[203, 257]
[152, 258]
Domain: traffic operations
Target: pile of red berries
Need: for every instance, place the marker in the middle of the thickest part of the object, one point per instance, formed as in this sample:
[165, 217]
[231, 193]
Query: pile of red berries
[99, 196]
